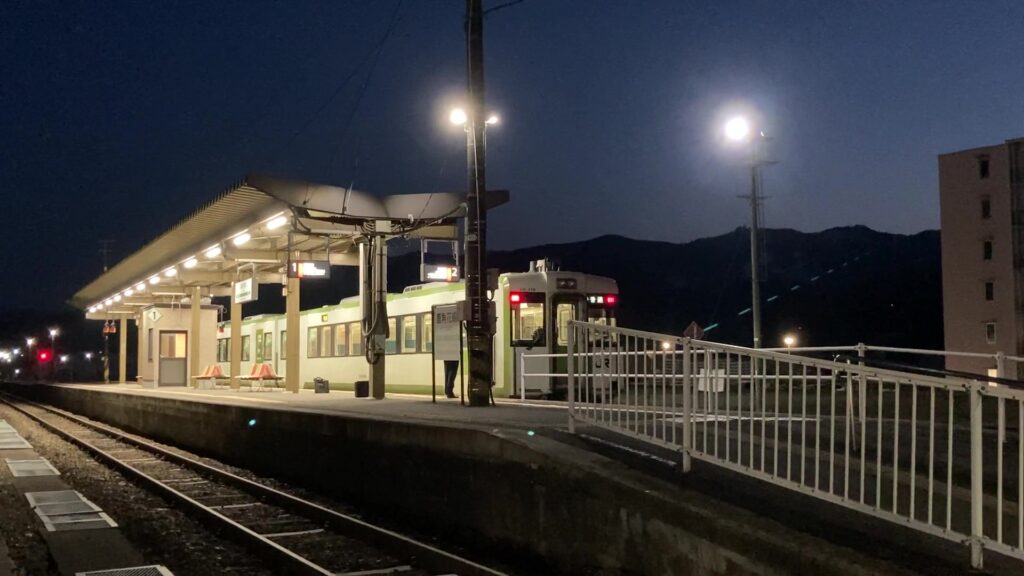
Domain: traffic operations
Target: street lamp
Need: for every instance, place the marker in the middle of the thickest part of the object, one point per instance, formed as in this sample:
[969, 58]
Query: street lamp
[738, 129]
[478, 321]
[789, 341]
[30, 342]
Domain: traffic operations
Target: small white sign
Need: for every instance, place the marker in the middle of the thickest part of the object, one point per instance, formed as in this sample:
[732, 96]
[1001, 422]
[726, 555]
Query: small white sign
[244, 291]
[154, 315]
[447, 332]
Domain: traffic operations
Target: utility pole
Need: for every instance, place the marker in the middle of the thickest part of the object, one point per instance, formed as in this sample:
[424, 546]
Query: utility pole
[478, 322]
[757, 160]
[755, 258]
[105, 252]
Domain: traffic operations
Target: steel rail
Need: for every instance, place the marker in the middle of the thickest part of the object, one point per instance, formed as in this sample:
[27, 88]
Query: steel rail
[426, 556]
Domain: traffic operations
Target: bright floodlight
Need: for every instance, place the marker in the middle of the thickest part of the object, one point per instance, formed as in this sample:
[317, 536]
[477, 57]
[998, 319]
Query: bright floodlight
[154, 279]
[88, 355]
[789, 340]
[191, 263]
[737, 128]
[53, 332]
[213, 252]
[140, 287]
[276, 223]
[30, 341]
[492, 119]
[458, 117]
[129, 292]
[241, 239]
[63, 358]
[171, 272]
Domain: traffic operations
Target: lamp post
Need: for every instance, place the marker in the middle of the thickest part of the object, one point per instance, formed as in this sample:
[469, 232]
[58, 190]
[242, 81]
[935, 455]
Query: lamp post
[738, 129]
[53, 351]
[789, 341]
[478, 321]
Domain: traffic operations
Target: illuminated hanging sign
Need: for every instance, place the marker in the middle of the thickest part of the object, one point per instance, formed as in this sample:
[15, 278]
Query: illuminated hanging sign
[309, 269]
[440, 273]
[244, 291]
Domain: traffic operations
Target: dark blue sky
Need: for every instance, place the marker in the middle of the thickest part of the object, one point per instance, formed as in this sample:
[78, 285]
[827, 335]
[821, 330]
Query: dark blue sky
[119, 118]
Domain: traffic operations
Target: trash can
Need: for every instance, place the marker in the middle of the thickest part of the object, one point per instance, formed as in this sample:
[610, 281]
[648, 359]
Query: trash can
[362, 388]
[321, 385]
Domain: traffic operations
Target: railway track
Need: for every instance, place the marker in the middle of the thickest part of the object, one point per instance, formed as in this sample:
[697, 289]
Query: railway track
[295, 535]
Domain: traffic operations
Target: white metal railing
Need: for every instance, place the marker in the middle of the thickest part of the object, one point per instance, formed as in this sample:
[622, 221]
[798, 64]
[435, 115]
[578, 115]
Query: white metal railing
[999, 358]
[940, 455]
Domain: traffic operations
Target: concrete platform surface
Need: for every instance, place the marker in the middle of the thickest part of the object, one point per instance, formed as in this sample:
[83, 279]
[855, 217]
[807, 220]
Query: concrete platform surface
[508, 413]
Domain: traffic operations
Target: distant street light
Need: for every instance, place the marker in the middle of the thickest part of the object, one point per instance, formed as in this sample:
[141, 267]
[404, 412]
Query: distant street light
[738, 130]
[30, 342]
[789, 341]
[458, 117]
[88, 355]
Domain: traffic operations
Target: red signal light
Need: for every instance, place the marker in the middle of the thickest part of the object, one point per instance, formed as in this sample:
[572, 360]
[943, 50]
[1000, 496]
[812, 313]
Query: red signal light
[611, 299]
[515, 298]
[43, 356]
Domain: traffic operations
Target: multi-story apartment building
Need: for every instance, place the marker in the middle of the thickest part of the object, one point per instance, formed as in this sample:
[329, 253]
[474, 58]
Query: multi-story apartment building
[981, 194]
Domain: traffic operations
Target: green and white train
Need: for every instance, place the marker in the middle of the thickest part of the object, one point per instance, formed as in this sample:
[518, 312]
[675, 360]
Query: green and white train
[533, 311]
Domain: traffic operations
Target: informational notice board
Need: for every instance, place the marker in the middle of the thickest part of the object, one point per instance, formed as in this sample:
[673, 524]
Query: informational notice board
[447, 331]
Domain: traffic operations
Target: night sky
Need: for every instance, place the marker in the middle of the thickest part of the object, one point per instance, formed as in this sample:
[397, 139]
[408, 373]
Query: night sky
[118, 119]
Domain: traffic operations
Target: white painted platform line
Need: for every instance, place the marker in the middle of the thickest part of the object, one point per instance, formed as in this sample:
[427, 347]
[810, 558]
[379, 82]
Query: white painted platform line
[33, 467]
[10, 439]
[64, 510]
[154, 570]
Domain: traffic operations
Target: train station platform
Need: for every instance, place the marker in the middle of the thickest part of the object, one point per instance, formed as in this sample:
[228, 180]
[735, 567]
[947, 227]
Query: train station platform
[512, 481]
[507, 413]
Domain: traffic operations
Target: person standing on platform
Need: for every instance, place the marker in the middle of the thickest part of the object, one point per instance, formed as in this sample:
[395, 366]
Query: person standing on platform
[451, 368]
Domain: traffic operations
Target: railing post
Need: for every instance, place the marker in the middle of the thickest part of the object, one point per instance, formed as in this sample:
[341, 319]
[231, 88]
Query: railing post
[571, 370]
[862, 383]
[1000, 365]
[687, 404]
[977, 477]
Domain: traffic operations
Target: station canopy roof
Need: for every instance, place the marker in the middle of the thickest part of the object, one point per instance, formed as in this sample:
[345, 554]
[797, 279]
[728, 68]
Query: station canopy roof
[251, 229]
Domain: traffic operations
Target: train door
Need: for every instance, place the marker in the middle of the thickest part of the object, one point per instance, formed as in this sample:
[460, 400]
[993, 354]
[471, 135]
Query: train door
[529, 336]
[565, 307]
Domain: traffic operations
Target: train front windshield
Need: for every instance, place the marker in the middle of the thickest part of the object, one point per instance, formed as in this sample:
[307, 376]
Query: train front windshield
[601, 309]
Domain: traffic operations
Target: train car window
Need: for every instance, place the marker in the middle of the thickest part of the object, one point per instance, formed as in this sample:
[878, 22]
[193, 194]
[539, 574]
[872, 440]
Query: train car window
[528, 323]
[223, 350]
[355, 339]
[427, 332]
[246, 353]
[409, 334]
[391, 344]
[340, 342]
[284, 344]
[326, 348]
[313, 342]
[564, 312]
[268, 346]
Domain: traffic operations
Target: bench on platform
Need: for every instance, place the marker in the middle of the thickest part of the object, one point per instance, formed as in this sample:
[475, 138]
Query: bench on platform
[211, 374]
[261, 373]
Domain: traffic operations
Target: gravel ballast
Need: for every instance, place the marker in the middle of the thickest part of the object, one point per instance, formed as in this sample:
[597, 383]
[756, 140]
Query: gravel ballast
[162, 534]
